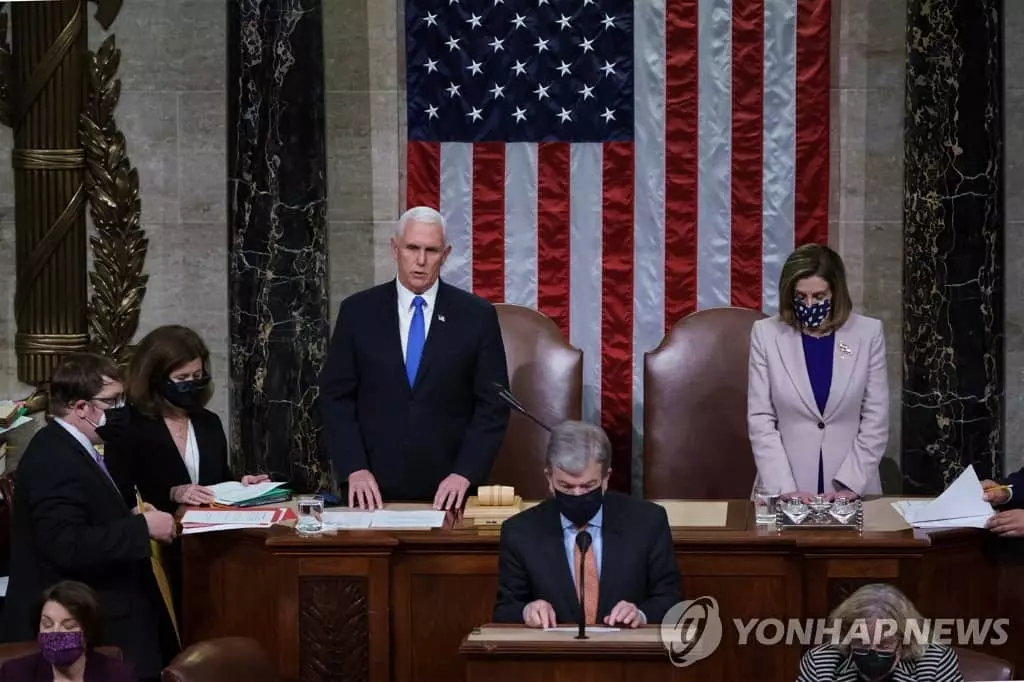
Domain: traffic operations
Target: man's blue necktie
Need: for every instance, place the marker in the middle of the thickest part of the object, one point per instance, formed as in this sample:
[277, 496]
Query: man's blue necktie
[417, 336]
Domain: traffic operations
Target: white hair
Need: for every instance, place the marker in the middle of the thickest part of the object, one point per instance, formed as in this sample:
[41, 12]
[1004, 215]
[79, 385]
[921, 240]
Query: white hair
[420, 214]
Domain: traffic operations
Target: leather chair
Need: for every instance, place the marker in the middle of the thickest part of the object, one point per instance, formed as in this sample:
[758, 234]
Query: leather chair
[546, 376]
[978, 667]
[12, 650]
[227, 659]
[695, 409]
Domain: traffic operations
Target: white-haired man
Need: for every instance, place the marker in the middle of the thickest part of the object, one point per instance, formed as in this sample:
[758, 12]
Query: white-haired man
[407, 392]
[629, 572]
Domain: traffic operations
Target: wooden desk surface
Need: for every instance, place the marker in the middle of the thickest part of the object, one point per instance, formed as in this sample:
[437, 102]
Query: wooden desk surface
[397, 605]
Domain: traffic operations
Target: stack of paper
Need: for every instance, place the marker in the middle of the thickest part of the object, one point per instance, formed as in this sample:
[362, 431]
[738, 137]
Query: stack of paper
[234, 494]
[960, 506]
[202, 521]
[20, 421]
[385, 518]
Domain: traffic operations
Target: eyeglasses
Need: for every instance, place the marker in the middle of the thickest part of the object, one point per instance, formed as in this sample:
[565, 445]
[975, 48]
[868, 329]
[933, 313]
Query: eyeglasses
[112, 402]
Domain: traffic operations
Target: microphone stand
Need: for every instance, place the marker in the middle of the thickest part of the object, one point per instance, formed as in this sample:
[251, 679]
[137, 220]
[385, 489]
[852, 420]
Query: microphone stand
[510, 400]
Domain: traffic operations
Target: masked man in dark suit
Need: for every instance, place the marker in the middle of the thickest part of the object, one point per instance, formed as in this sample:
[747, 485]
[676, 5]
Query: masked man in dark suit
[407, 392]
[70, 522]
[631, 575]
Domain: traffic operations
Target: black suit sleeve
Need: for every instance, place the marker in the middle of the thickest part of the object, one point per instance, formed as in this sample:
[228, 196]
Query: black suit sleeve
[59, 511]
[663, 580]
[1015, 479]
[486, 430]
[339, 381]
[513, 582]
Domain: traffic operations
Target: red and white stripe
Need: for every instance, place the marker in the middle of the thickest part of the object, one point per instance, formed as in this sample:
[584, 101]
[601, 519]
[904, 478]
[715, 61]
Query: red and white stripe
[616, 242]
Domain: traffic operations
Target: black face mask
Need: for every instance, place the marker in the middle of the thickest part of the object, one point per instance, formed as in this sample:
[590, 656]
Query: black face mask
[579, 509]
[874, 665]
[116, 424]
[185, 394]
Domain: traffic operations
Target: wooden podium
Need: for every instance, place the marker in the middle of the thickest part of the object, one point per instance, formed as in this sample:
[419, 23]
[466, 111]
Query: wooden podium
[514, 653]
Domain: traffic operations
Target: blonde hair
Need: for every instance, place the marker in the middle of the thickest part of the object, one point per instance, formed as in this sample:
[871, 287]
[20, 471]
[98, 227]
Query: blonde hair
[881, 602]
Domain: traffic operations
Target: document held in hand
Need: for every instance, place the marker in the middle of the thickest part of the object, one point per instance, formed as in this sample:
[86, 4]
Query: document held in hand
[959, 506]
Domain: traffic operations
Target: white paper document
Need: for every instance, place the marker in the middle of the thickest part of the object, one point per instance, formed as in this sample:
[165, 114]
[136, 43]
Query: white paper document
[233, 492]
[959, 506]
[346, 520]
[591, 630]
[387, 518]
[240, 519]
[20, 421]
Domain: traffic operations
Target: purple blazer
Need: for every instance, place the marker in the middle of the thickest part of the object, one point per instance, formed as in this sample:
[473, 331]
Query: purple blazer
[98, 668]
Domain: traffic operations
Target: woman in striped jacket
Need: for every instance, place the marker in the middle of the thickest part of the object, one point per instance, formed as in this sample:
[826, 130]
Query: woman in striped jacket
[878, 636]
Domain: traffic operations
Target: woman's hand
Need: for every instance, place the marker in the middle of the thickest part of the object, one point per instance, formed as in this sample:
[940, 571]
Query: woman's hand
[191, 494]
[253, 479]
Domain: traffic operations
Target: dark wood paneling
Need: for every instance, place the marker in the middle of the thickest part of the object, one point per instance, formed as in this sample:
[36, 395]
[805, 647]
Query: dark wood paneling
[396, 606]
[334, 630]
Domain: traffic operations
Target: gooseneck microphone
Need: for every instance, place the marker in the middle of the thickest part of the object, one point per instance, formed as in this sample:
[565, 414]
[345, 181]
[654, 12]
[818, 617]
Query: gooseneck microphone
[583, 541]
[510, 400]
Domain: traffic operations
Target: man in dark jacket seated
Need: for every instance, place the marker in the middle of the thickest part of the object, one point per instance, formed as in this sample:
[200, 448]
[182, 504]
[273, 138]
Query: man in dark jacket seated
[631, 575]
[1008, 501]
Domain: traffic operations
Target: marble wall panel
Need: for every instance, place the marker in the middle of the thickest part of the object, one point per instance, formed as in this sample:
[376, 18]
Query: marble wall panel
[278, 298]
[953, 243]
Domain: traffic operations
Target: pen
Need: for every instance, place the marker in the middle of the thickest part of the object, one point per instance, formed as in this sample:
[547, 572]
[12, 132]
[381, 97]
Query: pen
[1000, 487]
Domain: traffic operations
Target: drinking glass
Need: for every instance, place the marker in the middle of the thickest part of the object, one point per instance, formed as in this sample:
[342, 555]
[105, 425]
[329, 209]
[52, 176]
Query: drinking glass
[310, 511]
[765, 501]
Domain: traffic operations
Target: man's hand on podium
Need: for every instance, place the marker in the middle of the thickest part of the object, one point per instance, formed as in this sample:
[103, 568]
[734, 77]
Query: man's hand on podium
[363, 491]
[625, 614]
[539, 614]
[451, 492]
[1008, 523]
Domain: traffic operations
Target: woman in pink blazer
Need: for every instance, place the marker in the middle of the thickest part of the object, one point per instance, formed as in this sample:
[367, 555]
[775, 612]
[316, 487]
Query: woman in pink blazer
[818, 400]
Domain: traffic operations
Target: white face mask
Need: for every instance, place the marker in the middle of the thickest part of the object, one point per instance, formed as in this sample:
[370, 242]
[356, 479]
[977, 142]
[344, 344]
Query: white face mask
[102, 421]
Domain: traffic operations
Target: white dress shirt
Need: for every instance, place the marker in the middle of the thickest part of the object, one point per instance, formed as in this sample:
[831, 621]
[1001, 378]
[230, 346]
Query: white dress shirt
[406, 310]
[192, 454]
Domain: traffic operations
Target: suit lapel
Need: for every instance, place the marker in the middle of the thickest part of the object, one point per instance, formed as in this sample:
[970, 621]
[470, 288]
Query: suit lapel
[393, 335]
[612, 552]
[792, 351]
[553, 545]
[204, 444]
[436, 336]
[91, 463]
[844, 357]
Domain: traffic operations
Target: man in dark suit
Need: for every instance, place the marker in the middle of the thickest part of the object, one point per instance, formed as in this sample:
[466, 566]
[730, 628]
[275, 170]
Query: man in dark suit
[1008, 501]
[407, 392]
[69, 521]
[631, 575]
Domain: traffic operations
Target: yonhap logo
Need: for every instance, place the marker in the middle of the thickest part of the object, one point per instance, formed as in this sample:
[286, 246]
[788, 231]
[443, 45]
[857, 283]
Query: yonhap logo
[691, 631]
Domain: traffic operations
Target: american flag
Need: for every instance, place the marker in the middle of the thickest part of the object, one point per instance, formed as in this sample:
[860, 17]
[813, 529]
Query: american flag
[619, 164]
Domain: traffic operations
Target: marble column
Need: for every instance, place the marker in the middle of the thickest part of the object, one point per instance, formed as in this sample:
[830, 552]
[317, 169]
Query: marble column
[277, 215]
[953, 388]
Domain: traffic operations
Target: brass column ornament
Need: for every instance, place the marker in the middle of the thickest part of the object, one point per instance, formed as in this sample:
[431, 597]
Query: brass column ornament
[119, 245]
[48, 41]
[60, 101]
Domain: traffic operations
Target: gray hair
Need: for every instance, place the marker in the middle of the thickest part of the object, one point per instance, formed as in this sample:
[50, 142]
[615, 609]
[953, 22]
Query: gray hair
[420, 214]
[574, 445]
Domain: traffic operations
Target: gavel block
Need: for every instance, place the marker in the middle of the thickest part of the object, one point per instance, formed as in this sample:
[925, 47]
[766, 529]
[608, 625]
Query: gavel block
[493, 504]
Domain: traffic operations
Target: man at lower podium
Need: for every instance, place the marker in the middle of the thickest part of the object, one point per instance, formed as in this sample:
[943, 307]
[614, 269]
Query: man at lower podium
[629, 568]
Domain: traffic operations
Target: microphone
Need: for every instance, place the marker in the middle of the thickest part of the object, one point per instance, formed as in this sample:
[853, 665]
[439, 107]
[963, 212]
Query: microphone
[510, 400]
[583, 541]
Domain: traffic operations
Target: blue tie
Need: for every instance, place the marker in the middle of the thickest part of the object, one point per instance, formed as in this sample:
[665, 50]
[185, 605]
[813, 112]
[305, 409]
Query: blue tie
[414, 349]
